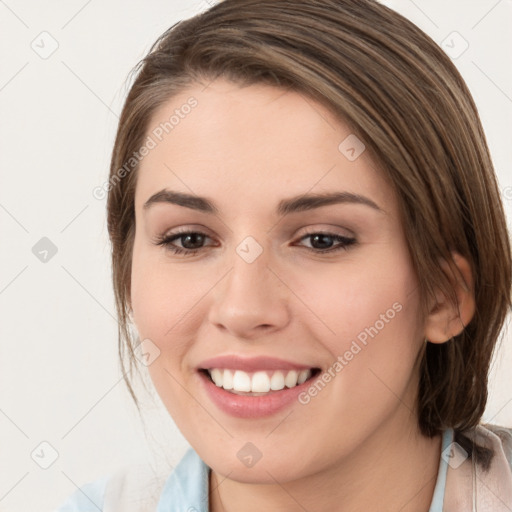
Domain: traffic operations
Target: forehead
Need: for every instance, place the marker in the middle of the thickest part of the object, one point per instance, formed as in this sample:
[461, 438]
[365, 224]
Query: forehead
[251, 146]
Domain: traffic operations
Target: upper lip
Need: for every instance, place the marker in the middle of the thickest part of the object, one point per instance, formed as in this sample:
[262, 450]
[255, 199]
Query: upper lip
[248, 364]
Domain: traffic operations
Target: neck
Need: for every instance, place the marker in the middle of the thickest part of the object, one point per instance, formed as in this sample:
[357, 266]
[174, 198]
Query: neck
[395, 469]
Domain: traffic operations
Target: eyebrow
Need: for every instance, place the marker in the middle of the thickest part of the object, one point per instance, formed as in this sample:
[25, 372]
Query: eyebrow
[284, 207]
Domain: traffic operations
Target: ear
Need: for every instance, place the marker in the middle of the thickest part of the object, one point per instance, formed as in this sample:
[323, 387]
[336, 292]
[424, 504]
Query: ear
[446, 320]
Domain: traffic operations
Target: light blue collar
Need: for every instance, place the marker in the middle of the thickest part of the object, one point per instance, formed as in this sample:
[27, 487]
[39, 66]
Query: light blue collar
[438, 498]
[186, 490]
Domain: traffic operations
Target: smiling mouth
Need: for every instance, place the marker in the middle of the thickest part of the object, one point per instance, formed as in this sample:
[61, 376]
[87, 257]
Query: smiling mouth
[258, 383]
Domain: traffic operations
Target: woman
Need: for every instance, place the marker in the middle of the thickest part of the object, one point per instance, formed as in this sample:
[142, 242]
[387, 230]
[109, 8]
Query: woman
[308, 236]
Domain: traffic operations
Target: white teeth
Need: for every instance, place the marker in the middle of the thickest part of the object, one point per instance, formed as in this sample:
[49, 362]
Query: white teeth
[258, 382]
[303, 376]
[291, 379]
[216, 376]
[241, 381]
[277, 381]
[227, 379]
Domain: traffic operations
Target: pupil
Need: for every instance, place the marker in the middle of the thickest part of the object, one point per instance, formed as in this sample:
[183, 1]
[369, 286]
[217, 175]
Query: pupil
[321, 237]
[194, 237]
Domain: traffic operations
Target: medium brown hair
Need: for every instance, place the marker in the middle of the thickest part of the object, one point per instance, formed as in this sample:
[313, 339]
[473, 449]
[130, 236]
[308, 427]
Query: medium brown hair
[402, 96]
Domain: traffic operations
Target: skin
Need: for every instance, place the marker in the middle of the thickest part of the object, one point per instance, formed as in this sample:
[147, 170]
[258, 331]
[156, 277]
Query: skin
[356, 445]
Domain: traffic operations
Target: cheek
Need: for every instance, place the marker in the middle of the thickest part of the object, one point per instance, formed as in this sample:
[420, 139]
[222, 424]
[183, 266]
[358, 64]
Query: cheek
[163, 313]
[154, 301]
[168, 309]
[373, 313]
[160, 294]
[360, 300]
[369, 323]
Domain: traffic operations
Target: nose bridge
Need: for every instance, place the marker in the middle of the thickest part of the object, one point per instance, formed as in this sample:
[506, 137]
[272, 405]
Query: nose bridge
[249, 280]
[251, 296]
[249, 268]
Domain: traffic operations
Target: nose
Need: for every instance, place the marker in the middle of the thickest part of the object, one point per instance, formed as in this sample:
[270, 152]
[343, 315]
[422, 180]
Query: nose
[251, 301]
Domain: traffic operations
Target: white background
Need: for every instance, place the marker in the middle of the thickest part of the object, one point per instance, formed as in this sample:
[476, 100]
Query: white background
[59, 375]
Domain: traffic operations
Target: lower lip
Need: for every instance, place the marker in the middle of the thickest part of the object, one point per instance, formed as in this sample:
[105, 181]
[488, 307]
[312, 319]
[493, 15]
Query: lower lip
[252, 406]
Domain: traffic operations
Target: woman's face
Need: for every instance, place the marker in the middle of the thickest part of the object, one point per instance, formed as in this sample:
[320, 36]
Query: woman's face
[281, 282]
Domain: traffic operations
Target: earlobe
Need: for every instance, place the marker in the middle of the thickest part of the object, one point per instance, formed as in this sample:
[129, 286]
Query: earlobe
[445, 319]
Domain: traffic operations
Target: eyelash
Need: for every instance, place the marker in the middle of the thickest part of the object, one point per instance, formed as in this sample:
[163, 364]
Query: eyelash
[166, 241]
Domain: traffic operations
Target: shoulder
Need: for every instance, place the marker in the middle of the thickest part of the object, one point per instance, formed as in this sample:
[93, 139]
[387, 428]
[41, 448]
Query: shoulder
[503, 439]
[143, 488]
[135, 488]
[497, 439]
[480, 470]
[486, 441]
[88, 498]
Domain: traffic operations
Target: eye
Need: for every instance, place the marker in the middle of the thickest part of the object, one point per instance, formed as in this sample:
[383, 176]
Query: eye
[191, 241]
[322, 242]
